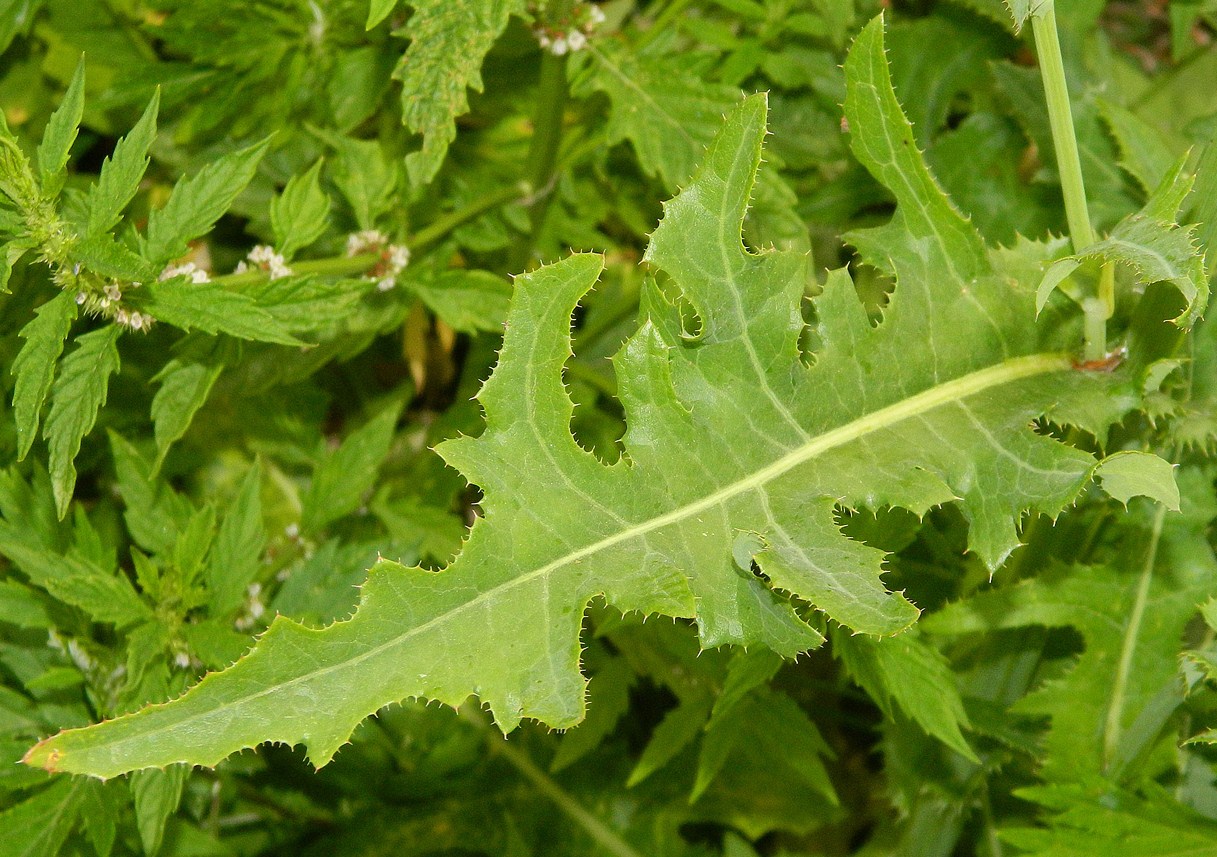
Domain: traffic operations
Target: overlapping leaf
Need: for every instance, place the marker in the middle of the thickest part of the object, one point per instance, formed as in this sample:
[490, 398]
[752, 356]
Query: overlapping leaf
[1110, 707]
[737, 455]
[448, 42]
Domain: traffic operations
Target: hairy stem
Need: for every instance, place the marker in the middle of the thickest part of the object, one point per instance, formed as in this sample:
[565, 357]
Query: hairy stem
[1069, 165]
[593, 826]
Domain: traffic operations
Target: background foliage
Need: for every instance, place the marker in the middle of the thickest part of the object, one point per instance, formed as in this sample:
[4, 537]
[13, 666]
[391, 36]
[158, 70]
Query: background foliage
[250, 428]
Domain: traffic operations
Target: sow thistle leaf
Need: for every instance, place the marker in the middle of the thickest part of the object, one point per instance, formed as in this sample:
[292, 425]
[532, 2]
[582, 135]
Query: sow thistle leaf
[1150, 242]
[729, 434]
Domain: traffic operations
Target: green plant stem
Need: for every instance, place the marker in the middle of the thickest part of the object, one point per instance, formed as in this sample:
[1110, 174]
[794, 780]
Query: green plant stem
[441, 226]
[593, 826]
[661, 23]
[543, 152]
[349, 266]
[1069, 165]
[1112, 728]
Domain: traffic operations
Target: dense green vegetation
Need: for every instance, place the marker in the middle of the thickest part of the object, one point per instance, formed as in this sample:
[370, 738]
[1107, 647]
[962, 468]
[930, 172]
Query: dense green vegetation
[789, 422]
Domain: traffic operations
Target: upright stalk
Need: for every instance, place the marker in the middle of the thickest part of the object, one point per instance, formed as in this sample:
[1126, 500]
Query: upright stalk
[604, 836]
[543, 151]
[1099, 308]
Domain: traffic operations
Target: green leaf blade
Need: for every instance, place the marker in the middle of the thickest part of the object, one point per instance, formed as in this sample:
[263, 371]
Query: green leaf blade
[76, 396]
[729, 432]
[448, 43]
[197, 202]
[299, 215]
[61, 130]
[34, 365]
[211, 308]
[121, 173]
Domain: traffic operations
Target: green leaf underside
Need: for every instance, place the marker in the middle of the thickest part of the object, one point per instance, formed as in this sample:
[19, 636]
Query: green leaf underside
[729, 433]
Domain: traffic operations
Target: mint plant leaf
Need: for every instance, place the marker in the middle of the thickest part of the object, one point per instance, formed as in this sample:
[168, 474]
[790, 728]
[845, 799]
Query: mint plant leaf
[61, 131]
[237, 552]
[907, 672]
[1110, 705]
[185, 385]
[729, 432]
[378, 10]
[300, 213]
[1092, 819]
[39, 825]
[76, 396]
[665, 110]
[197, 203]
[343, 477]
[121, 173]
[34, 365]
[448, 43]
[157, 794]
[211, 308]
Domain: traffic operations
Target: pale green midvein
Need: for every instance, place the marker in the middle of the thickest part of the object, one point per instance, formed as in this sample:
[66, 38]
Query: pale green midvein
[1112, 727]
[1006, 372]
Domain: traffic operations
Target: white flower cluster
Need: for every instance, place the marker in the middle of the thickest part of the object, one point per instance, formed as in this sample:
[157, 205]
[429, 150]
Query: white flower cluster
[254, 608]
[393, 257]
[133, 319]
[264, 258]
[108, 304]
[187, 269]
[558, 41]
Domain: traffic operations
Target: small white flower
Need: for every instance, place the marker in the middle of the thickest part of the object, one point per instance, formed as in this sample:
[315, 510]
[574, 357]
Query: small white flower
[559, 47]
[595, 15]
[577, 40]
[113, 292]
[365, 241]
[81, 297]
[190, 269]
[265, 258]
[181, 660]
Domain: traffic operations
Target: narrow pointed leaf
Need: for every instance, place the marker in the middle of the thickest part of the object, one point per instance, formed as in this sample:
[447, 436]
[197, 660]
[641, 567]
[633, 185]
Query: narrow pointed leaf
[729, 432]
[34, 365]
[197, 203]
[299, 214]
[76, 396]
[121, 173]
[62, 128]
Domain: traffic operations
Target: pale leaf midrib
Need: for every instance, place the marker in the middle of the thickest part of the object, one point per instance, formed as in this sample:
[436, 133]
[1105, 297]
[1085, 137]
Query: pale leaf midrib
[947, 392]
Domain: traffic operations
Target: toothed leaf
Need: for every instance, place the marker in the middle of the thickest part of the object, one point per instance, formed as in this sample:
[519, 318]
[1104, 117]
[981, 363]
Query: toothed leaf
[729, 433]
